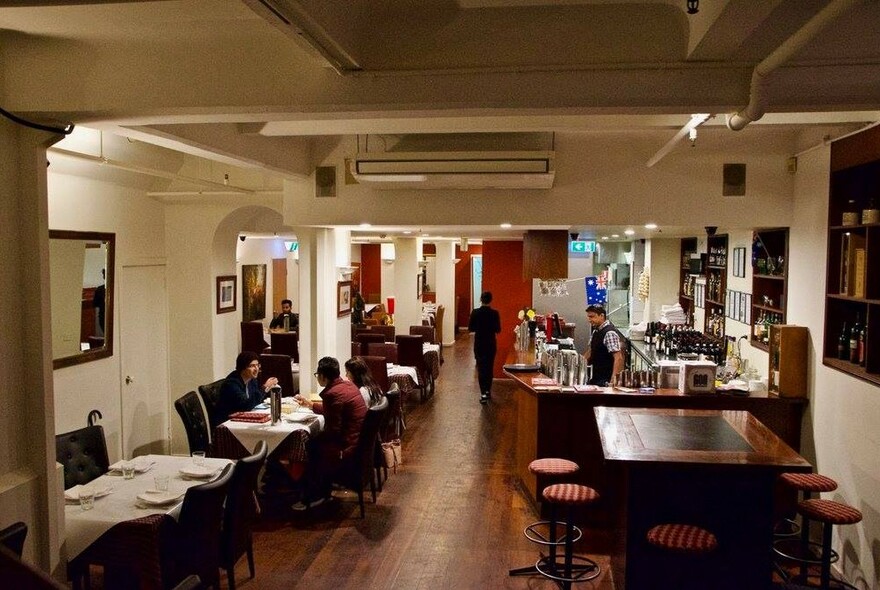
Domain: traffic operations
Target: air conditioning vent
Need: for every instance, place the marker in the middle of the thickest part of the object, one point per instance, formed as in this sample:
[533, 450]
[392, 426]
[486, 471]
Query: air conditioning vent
[463, 170]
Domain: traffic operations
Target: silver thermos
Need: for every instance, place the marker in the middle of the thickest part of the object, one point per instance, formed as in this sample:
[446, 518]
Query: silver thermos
[275, 403]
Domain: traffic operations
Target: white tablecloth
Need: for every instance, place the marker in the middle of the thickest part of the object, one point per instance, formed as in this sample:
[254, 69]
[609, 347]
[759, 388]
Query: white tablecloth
[250, 433]
[83, 527]
[398, 370]
[428, 347]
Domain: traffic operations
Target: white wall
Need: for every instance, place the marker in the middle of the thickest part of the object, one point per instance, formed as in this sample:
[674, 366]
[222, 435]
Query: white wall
[663, 257]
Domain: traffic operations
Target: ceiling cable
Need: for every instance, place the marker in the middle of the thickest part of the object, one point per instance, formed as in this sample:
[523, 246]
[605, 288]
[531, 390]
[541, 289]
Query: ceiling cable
[16, 119]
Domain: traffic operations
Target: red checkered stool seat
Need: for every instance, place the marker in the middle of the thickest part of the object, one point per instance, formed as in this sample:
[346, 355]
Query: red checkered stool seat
[553, 466]
[808, 482]
[682, 537]
[570, 494]
[829, 511]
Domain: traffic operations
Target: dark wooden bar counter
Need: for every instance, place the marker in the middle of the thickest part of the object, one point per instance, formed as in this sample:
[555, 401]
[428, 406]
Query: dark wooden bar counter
[562, 424]
[709, 468]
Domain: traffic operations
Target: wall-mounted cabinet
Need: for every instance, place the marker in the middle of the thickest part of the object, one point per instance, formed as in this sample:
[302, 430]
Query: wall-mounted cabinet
[687, 274]
[716, 285]
[852, 301]
[769, 283]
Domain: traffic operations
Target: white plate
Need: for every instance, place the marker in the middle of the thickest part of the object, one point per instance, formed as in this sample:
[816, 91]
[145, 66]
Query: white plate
[140, 465]
[299, 417]
[197, 472]
[157, 498]
[101, 490]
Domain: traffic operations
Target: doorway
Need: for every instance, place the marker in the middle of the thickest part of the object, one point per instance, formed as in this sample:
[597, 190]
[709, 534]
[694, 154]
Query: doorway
[143, 340]
[476, 279]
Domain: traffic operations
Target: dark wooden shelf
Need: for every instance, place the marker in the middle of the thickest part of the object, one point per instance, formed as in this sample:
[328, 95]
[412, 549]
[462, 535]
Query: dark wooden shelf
[766, 308]
[713, 302]
[688, 297]
[715, 267]
[856, 226]
[774, 277]
[759, 345]
[852, 299]
[848, 367]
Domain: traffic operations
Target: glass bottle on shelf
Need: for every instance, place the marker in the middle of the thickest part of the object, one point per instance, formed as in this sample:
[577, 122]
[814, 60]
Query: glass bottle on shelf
[854, 341]
[870, 214]
[862, 337]
[850, 213]
[843, 344]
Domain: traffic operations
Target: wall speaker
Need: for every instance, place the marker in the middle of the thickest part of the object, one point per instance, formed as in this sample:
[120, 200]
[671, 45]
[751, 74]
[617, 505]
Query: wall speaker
[325, 181]
[734, 180]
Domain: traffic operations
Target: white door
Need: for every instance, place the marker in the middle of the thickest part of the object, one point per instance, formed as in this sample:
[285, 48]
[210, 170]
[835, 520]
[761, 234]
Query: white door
[143, 334]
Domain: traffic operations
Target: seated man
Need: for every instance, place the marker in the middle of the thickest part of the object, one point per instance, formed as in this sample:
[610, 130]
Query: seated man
[344, 411]
[286, 313]
[241, 391]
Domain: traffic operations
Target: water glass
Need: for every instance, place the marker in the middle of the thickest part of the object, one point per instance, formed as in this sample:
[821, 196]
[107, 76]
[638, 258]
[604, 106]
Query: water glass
[127, 470]
[198, 458]
[86, 498]
[161, 483]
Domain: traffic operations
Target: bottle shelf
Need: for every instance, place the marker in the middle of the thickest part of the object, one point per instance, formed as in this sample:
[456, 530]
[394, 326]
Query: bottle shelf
[848, 367]
[759, 345]
[852, 299]
[716, 267]
[715, 303]
[688, 297]
[771, 277]
[766, 308]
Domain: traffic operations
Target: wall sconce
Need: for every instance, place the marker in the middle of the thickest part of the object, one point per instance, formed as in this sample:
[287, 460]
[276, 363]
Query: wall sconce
[693, 6]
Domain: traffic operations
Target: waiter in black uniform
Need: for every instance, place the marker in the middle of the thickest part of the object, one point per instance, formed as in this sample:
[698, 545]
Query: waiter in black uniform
[485, 323]
[606, 347]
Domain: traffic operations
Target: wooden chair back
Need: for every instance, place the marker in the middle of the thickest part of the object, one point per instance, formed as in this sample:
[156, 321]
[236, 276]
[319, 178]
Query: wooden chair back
[285, 343]
[370, 336]
[278, 366]
[378, 370]
[387, 331]
[384, 349]
[252, 337]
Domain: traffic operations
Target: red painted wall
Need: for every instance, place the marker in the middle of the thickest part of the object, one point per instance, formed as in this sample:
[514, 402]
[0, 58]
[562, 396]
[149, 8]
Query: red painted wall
[463, 283]
[502, 275]
[371, 272]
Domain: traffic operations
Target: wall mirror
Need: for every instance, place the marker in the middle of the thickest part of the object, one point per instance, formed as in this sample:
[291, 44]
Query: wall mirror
[81, 283]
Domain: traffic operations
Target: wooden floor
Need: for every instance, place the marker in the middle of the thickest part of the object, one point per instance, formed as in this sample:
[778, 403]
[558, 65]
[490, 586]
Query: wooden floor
[452, 516]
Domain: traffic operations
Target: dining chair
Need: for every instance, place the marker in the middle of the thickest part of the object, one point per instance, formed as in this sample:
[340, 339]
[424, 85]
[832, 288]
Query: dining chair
[410, 354]
[15, 573]
[252, 337]
[278, 366]
[210, 394]
[357, 471]
[83, 453]
[386, 349]
[367, 337]
[195, 539]
[378, 368]
[285, 343]
[387, 331]
[356, 348]
[195, 422]
[13, 536]
[240, 513]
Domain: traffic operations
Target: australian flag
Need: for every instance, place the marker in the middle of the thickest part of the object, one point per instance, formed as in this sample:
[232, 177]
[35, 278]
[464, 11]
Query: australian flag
[596, 290]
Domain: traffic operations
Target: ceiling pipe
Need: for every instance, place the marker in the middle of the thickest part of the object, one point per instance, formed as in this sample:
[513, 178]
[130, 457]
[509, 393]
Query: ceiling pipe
[758, 92]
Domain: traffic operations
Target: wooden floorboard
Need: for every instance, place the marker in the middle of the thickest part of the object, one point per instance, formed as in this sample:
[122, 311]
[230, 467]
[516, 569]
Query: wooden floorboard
[451, 517]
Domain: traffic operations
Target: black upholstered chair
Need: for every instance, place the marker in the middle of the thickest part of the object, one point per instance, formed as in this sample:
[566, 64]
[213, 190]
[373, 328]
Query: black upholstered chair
[194, 421]
[195, 540]
[410, 354]
[13, 536]
[285, 343]
[210, 393]
[357, 471]
[241, 512]
[83, 453]
[15, 573]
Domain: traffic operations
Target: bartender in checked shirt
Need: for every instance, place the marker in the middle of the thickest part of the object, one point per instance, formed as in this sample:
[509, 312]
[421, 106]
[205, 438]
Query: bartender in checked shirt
[605, 352]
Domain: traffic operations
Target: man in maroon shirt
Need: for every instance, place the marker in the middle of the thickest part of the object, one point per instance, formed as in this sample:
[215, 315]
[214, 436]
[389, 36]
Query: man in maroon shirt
[344, 411]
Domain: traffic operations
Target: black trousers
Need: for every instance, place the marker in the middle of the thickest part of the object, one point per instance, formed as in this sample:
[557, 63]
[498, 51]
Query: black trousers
[485, 367]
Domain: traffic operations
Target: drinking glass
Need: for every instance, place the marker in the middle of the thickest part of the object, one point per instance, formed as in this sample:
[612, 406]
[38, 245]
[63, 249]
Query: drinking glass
[86, 498]
[161, 483]
[127, 470]
[198, 458]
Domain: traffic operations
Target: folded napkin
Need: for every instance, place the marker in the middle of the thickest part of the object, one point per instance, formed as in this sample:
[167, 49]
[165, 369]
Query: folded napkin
[141, 465]
[250, 417]
[72, 494]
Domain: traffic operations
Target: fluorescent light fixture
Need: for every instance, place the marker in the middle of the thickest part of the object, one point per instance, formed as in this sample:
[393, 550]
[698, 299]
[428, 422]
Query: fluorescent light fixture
[396, 178]
[615, 235]
[604, 237]
[505, 226]
[629, 232]
[407, 232]
[650, 226]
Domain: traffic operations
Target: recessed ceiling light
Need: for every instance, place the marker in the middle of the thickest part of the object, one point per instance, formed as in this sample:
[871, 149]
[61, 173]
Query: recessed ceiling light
[426, 235]
[407, 232]
[650, 226]
[604, 237]
[615, 235]
[505, 226]
[629, 232]
[365, 224]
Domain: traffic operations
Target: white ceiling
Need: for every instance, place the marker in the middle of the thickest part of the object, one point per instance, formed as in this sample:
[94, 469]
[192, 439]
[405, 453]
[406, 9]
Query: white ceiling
[228, 80]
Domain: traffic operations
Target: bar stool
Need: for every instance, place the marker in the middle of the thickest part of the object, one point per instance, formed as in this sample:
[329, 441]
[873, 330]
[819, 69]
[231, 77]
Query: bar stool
[683, 540]
[570, 495]
[557, 469]
[829, 513]
[807, 484]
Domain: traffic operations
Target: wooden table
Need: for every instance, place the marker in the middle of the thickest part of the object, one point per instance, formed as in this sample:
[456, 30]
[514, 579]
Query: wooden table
[715, 469]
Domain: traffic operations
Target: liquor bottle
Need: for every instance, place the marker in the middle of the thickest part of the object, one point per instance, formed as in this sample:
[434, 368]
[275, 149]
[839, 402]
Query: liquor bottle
[843, 344]
[854, 341]
[863, 335]
[870, 214]
[850, 213]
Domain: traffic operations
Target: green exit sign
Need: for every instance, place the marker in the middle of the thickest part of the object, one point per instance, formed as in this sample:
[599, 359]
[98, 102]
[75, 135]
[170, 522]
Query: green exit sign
[582, 246]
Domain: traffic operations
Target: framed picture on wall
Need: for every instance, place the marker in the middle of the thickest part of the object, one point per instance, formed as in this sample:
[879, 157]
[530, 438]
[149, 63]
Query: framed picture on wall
[226, 294]
[739, 262]
[743, 307]
[343, 298]
[253, 292]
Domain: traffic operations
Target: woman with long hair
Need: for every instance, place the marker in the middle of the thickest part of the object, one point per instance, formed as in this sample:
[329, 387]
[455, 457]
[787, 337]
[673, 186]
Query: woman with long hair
[358, 373]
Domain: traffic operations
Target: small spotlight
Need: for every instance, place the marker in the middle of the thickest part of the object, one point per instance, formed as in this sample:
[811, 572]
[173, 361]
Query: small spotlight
[650, 226]
[366, 225]
[505, 226]
[604, 237]
[629, 232]
[615, 235]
